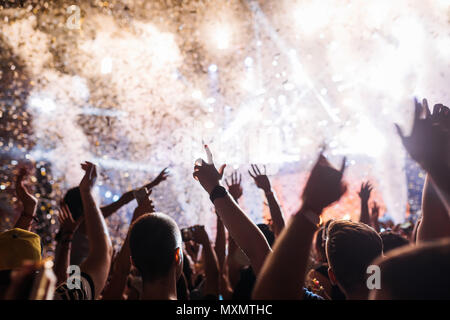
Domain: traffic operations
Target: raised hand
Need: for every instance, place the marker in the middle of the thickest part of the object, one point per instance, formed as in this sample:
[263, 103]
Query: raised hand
[235, 188]
[324, 185]
[261, 179]
[162, 176]
[192, 249]
[67, 224]
[29, 202]
[207, 174]
[90, 176]
[145, 205]
[375, 214]
[364, 193]
[199, 234]
[441, 117]
[427, 143]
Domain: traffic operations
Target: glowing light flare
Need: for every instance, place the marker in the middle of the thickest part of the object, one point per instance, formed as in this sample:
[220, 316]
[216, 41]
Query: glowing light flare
[312, 16]
[106, 66]
[365, 139]
[42, 104]
[219, 31]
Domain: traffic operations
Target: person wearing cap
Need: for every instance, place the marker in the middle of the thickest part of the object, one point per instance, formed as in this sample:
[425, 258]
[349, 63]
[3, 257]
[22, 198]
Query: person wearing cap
[17, 246]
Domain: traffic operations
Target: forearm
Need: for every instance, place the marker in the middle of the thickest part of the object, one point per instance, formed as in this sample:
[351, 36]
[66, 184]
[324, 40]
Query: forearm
[376, 225]
[435, 222]
[246, 234]
[440, 175]
[443, 192]
[232, 266]
[115, 206]
[24, 222]
[225, 287]
[62, 259]
[96, 229]
[122, 267]
[364, 217]
[220, 243]
[275, 213]
[284, 271]
[211, 269]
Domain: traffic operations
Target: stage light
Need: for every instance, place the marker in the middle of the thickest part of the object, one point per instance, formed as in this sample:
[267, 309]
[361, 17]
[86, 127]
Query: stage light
[221, 37]
[310, 17]
[197, 94]
[106, 65]
[212, 68]
[211, 100]
[248, 62]
[43, 104]
[209, 124]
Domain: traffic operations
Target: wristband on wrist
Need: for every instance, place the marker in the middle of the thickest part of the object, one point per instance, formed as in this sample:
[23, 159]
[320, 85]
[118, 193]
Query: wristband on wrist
[311, 217]
[218, 192]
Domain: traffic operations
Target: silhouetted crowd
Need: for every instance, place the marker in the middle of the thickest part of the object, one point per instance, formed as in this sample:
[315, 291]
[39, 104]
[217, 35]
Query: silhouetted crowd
[303, 258]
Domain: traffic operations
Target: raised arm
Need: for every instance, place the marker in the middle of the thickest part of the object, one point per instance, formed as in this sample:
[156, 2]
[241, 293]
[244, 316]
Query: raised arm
[428, 145]
[435, 222]
[211, 264]
[246, 234]
[28, 201]
[232, 266]
[128, 196]
[98, 261]
[262, 182]
[284, 271]
[374, 217]
[64, 244]
[220, 243]
[364, 195]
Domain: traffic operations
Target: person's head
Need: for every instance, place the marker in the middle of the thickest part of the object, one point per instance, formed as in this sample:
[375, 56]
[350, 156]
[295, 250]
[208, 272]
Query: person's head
[17, 246]
[319, 242]
[350, 248]
[392, 240]
[415, 272]
[73, 201]
[155, 245]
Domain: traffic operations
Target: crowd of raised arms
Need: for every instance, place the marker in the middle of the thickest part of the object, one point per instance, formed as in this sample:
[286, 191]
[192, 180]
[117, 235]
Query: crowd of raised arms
[303, 258]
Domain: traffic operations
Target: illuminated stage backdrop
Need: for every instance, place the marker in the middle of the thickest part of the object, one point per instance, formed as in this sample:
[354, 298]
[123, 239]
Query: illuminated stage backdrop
[138, 85]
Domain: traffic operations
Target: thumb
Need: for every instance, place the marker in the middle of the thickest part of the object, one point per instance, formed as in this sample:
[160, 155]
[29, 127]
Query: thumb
[399, 131]
[222, 170]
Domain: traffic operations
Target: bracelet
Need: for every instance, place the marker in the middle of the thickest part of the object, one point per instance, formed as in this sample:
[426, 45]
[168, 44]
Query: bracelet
[218, 192]
[311, 217]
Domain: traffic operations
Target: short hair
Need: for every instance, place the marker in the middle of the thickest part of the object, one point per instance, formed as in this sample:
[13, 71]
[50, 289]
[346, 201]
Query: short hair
[74, 202]
[351, 247]
[392, 240]
[416, 272]
[268, 234]
[154, 237]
